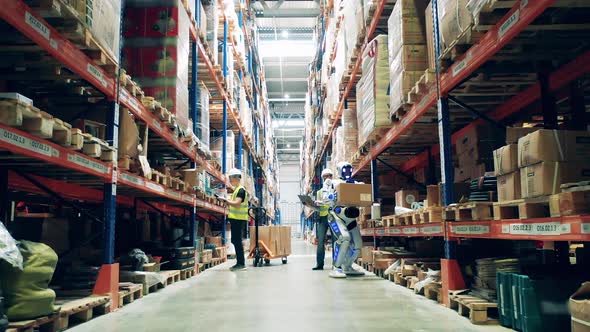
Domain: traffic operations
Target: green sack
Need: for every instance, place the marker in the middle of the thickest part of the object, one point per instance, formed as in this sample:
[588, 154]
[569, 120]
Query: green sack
[26, 292]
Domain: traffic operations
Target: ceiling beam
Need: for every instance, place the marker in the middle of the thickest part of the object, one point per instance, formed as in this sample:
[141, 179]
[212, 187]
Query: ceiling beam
[291, 13]
[278, 4]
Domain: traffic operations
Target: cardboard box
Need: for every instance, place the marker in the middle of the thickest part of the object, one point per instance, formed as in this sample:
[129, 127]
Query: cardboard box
[405, 198]
[409, 58]
[128, 135]
[482, 136]
[553, 145]
[546, 178]
[513, 134]
[579, 307]
[454, 19]
[367, 254]
[430, 37]
[462, 174]
[432, 196]
[574, 203]
[192, 176]
[216, 240]
[354, 194]
[506, 159]
[406, 24]
[263, 235]
[509, 186]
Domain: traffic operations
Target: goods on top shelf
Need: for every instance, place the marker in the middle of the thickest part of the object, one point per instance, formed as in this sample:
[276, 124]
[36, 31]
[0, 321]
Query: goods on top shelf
[156, 53]
[203, 130]
[372, 90]
[217, 149]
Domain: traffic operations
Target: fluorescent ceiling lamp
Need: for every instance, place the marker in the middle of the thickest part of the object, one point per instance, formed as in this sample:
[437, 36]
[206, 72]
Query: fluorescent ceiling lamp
[285, 99]
[287, 48]
[288, 146]
[285, 34]
[286, 96]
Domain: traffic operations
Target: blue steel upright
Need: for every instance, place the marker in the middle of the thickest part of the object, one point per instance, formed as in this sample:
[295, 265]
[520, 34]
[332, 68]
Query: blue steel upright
[224, 129]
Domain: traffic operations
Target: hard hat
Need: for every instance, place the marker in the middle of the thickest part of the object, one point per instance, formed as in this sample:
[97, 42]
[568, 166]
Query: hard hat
[234, 172]
[327, 171]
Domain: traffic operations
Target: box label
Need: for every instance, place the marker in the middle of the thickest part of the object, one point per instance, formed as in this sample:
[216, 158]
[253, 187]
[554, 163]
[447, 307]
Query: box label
[546, 229]
[471, 229]
[461, 65]
[97, 73]
[366, 198]
[37, 25]
[133, 179]
[187, 198]
[585, 228]
[154, 186]
[508, 24]
[380, 232]
[88, 163]
[432, 229]
[410, 230]
[173, 193]
[135, 105]
[27, 143]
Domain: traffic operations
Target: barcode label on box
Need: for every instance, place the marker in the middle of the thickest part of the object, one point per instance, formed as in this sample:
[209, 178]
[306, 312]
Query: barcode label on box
[471, 229]
[27, 143]
[88, 163]
[366, 198]
[546, 229]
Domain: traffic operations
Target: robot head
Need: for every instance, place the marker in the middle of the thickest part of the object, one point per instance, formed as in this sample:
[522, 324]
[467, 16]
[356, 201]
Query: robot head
[345, 170]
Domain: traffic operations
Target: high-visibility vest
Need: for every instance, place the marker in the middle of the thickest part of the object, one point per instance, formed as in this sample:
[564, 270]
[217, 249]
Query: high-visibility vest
[323, 207]
[241, 212]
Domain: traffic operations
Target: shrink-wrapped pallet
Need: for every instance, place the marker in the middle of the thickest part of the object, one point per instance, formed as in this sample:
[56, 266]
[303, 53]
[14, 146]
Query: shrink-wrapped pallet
[406, 69]
[349, 134]
[372, 89]
[202, 124]
[217, 149]
[353, 25]
[157, 50]
[455, 22]
[406, 25]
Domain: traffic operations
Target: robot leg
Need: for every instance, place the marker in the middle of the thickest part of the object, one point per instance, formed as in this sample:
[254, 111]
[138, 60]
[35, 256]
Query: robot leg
[354, 252]
[341, 244]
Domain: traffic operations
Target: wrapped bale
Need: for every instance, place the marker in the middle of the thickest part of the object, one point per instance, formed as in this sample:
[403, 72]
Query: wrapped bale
[455, 23]
[202, 132]
[26, 292]
[217, 148]
[349, 134]
[372, 90]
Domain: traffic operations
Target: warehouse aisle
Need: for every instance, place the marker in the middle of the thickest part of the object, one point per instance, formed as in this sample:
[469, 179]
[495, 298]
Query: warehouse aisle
[282, 298]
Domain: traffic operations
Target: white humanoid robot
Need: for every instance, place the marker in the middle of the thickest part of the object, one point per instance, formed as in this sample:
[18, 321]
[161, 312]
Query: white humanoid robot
[342, 220]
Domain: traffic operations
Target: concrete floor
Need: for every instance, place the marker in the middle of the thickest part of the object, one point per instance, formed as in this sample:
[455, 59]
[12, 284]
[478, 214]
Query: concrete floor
[282, 298]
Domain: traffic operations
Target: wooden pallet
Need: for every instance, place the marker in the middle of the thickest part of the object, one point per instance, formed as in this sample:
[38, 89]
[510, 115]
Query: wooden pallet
[399, 279]
[398, 114]
[479, 311]
[522, 208]
[373, 138]
[388, 221]
[74, 311]
[573, 200]
[404, 219]
[187, 273]
[431, 214]
[433, 292]
[43, 324]
[129, 292]
[470, 211]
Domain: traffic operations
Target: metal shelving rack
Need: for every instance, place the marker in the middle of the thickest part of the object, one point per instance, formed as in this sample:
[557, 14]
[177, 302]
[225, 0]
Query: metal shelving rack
[94, 181]
[435, 103]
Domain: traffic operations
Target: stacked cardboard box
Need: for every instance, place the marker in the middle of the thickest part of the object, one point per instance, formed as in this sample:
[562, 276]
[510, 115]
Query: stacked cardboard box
[372, 89]
[405, 198]
[455, 22]
[475, 152]
[157, 50]
[407, 49]
[217, 150]
[349, 134]
[276, 238]
[549, 158]
[212, 18]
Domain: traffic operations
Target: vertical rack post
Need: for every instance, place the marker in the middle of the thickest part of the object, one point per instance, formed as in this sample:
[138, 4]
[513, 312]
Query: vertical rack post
[375, 190]
[452, 277]
[194, 114]
[224, 130]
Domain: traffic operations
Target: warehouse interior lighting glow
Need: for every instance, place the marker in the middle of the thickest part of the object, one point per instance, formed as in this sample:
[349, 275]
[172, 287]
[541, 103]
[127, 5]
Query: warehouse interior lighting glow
[287, 123]
[286, 48]
[285, 34]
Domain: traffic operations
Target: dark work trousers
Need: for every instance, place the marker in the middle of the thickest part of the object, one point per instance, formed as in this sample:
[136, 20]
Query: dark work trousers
[321, 232]
[237, 228]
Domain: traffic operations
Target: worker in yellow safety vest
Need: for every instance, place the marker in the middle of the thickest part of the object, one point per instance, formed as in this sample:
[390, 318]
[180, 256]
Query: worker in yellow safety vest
[238, 216]
[322, 225]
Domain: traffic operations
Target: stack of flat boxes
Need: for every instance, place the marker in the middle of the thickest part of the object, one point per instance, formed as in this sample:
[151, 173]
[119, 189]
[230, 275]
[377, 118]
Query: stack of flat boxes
[157, 51]
[408, 55]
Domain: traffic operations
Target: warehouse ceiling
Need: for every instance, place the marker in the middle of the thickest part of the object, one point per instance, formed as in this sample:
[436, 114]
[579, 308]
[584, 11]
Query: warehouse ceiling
[286, 31]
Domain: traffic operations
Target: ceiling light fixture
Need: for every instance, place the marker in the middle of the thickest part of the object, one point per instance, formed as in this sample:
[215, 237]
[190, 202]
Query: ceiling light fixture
[285, 34]
[286, 96]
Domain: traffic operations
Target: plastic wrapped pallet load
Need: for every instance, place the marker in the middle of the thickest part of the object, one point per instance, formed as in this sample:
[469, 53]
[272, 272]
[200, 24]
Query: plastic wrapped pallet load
[217, 150]
[373, 90]
[203, 98]
[353, 26]
[157, 50]
[349, 134]
[456, 21]
[212, 15]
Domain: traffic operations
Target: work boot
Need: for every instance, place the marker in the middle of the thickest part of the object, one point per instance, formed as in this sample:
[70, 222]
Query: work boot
[318, 268]
[238, 267]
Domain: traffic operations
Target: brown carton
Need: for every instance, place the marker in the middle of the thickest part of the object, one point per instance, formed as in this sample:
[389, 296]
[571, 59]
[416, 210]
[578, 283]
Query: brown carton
[432, 196]
[506, 159]
[216, 240]
[481, 136]
[354, 194]
[546, 178]
[553, 145]
[574, 203]
[430, 37]
[509, 186]
[579, 306]
[367, 254]
[263, 235]
[405, 198]
[410, 58]
[454, 19]
[513, 134]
